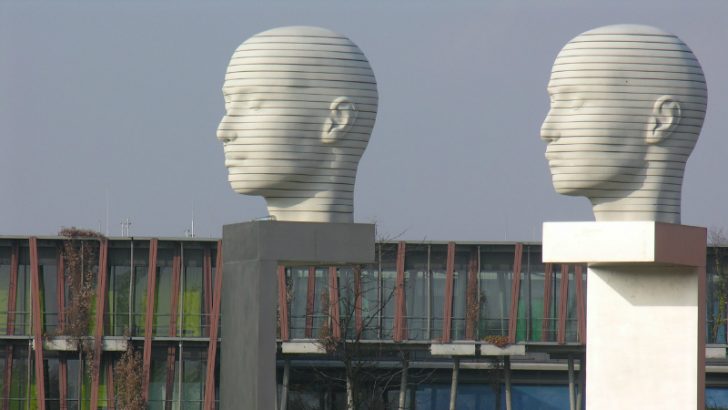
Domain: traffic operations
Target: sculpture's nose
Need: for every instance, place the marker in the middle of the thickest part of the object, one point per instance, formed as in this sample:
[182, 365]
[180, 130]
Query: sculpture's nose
[548, 131]
[224, 135]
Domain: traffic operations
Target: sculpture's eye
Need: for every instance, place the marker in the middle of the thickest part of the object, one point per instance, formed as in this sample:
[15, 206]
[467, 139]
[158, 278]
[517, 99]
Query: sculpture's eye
[575, 104]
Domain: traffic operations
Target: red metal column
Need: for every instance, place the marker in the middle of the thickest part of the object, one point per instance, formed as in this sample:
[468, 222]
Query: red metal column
[149, 319]
[9, 350]
[447, 309]
[563, 304]
[13, 288]
[209, 403]
[547, 291]
[472, 304]
[359, 321]
[400, 311]
[99, 330]
[310, 298]
[207, 289]
[37, 330]
[169, 387]
[334, 310]
[63, 382]
[580, 305]
[61, 297]
[110, 386]
[283, 303]
[515, 293]
[7, 376]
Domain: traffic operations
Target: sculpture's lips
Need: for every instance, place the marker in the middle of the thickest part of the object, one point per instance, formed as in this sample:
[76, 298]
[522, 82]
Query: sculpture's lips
[234, 162]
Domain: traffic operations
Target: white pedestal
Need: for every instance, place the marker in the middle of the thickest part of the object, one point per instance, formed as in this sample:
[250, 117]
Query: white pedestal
[645, 310]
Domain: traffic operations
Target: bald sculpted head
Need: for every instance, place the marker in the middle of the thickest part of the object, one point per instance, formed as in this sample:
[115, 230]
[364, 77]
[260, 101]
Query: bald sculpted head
[300, 106]
[627, 106]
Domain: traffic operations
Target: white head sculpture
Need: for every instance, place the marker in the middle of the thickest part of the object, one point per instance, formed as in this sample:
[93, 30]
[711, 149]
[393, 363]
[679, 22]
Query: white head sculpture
[300, 106]
[627, 105]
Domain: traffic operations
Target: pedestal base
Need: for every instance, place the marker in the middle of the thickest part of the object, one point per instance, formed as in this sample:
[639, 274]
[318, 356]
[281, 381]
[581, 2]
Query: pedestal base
[645, 311]
[252, 252]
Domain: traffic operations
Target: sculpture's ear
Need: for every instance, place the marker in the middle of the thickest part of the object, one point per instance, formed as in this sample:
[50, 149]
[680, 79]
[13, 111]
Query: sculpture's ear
[664, 119]
[342, 116]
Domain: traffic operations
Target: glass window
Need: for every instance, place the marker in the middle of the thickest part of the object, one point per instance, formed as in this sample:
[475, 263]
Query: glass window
[369, 306]
[460, 288]
[416, 297]
[716, 398]
[163, 294]
[387, 300]
[438, 265]
[495, 278]
[192, 296]
[119, 281]
[297, 277]
[5, 251]
[533, 294]
[141, 267]
[194, 362]
[348, 294]
[321, 300]
[48, 277]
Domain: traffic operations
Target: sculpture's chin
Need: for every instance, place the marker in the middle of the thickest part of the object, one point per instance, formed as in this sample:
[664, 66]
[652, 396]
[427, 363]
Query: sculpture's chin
[568, 189]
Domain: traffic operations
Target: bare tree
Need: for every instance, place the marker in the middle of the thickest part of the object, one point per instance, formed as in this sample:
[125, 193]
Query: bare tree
[128, 380]
[351, 307]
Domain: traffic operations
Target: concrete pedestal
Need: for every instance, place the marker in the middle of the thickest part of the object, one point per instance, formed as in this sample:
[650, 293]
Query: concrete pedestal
[252, 252]
[645, 310]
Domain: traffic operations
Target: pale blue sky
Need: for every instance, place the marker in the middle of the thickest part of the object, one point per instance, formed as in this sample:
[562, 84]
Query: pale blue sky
[124, 98]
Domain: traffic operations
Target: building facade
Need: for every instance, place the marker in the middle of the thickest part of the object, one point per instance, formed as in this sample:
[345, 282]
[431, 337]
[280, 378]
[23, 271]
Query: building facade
[487, 321]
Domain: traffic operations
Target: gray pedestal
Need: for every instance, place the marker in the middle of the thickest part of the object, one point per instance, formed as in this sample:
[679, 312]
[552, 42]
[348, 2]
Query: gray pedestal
[252, 252]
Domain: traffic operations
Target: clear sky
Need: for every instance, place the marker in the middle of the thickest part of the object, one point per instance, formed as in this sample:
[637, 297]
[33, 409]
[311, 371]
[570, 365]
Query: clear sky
[121, 100]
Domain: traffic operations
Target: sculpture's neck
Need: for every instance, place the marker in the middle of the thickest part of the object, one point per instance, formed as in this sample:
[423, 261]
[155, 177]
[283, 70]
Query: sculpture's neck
[638, 207]
[328, 206]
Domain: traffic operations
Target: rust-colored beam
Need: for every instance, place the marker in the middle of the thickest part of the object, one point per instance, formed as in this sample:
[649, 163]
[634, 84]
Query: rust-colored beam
[169, 387]
[283, 303]
[358, 319]
[563, 304]
[7, 376]
[110, 400]
[99, 329]
[580, 303]
[13, 288]
[149, 318]
[207, 289]
[515, 293]
[400, 311]
[447, 308]
[63, 382]
[310, 299]
[472, 304]
[547, 291]
[37, 329]
[334, 310]
[209, 403]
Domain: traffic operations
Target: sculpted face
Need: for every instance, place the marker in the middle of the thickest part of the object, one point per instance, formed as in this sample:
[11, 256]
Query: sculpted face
[300, 105]
[627, 104]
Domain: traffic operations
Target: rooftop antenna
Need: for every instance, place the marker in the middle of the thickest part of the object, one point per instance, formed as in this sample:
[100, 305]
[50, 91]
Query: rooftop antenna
[107, 213]
[192, 233]
[125, 227]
